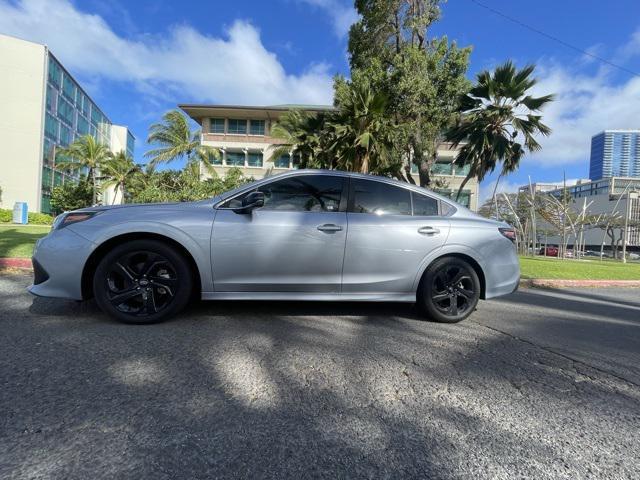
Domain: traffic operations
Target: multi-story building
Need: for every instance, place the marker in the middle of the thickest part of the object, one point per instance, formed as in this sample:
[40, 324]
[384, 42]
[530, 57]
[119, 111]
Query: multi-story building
[44, 109]
[242, 134]
[615, 195]
[615, 153]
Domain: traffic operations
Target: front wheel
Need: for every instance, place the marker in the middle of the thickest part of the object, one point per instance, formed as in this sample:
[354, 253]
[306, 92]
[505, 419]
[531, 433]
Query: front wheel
[142, 281]
[449, 291]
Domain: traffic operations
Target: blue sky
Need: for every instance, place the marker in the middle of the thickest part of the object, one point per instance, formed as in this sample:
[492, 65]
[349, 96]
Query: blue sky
[140, 58]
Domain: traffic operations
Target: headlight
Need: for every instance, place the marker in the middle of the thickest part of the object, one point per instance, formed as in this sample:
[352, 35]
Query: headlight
[65, 219]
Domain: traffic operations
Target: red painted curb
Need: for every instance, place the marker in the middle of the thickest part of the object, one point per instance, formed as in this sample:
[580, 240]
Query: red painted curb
[15, 263]
[557, 283]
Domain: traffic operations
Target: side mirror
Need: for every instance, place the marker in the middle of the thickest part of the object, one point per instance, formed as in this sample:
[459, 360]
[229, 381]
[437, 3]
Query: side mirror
[251, 202]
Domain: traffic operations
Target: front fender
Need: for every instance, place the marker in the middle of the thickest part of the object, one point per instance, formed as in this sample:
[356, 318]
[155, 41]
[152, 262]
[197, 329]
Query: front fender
[197, 244]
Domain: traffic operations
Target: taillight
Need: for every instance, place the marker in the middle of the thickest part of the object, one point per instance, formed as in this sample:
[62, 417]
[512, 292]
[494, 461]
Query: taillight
[510, 233]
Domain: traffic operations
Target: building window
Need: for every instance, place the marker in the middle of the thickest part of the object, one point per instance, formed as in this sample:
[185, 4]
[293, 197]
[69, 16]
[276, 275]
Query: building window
[85, 105]
[235, 159]
[55, 72]
[255, 160]
[216, 125]
[51, 127]
[51, 99]
[442, 168]
[65, 135]
[282, 161]
[463, 171]
[464, 199]
[131, 143]
[83, 125]
[68, 88]
[295, 161]
[256, 127]
[65, 110]
[237, 127]
[414, 169]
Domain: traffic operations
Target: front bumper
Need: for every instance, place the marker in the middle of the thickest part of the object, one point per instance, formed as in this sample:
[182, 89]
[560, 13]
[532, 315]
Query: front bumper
[58, 260]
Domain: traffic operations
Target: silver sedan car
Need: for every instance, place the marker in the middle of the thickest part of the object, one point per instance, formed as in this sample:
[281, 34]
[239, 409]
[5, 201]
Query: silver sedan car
[302, 235]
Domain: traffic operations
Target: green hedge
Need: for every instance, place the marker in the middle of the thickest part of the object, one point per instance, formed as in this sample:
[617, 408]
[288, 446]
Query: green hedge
[6, 216]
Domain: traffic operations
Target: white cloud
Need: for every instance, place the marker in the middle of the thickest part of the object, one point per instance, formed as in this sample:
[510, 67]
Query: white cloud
[233, 68]
[342, 16]
[505, 186]
[584, 105]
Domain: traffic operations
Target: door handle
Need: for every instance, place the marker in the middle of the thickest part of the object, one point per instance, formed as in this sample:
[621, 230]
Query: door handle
[428, 231]
[329, 227]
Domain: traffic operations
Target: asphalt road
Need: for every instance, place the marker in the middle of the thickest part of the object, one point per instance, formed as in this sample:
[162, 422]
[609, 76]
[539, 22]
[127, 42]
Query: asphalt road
[540, 384]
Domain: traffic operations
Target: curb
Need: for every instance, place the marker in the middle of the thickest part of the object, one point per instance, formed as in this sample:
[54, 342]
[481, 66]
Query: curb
[22, 263]
[557, 283]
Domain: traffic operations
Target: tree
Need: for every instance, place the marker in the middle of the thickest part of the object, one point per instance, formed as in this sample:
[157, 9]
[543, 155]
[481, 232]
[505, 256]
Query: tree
[305, 134]
[176, 141]
[85, 153]
[72, 196]
[362, 132]
[422, 77]
[117, 171]
[498, 122]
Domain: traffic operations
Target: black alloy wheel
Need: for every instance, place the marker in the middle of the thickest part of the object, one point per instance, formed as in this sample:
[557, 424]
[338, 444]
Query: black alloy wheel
[143, 281]
[449, 291]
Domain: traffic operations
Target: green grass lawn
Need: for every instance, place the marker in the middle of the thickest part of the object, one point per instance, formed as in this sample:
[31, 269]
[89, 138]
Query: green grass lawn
[18, 241]
[539, 267]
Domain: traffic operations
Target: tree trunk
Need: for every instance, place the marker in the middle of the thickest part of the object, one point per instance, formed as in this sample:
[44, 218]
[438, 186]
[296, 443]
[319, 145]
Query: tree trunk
[495, 189]
[95, 187]
[462, 185]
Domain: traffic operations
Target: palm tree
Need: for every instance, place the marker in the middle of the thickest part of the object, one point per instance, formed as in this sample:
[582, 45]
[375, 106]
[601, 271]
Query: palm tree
[303, 133]
[117, 172]
[362, 140]
[85, 153]
[498, 123]
[177, 141]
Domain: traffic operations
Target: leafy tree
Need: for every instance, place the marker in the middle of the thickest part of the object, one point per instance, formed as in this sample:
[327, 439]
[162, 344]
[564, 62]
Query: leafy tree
[362, 131]
[86, 153]
[117, 171]
[499, 121]
[305, 134]
[422, 77]
[176, 141]
[72, 196]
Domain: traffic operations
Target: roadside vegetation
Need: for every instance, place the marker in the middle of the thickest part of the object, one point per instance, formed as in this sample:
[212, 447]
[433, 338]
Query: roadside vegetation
[18, 240]
[553, 268]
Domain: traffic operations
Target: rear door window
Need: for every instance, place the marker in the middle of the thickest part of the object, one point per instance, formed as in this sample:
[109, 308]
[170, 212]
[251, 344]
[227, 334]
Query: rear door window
[379, 198]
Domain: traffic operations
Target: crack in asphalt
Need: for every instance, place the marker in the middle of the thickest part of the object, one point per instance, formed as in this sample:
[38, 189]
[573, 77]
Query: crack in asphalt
[563, 355]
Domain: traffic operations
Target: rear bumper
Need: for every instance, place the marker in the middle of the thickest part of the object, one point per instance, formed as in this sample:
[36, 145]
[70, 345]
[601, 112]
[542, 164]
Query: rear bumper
[502, 274]
[58, 261]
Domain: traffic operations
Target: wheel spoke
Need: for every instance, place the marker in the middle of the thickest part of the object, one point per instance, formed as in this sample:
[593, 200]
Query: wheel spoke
[125, 270]
[459, 277]
[454, 306]
[468, 294]
[440, 297]
[149, 300]
[122, 297]
[153, 260]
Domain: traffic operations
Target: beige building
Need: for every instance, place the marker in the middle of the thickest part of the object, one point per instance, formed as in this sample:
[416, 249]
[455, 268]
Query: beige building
[43, 110]
[241, 133]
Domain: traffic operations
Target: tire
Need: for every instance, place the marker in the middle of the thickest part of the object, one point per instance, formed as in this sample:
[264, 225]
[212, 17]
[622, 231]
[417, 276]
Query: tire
[142, 282]
[449, 290]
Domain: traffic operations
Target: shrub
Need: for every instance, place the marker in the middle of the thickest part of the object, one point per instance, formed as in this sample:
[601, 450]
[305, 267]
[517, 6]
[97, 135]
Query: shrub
[40, 218]
[72, 196]
[6, 216]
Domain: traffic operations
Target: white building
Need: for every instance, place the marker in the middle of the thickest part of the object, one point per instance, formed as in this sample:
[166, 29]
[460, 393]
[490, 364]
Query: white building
[619, 195]
[43, 109]
[242, 134]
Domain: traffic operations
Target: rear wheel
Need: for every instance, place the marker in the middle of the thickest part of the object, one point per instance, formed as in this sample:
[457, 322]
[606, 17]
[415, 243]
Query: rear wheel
[449, 291]
[143, 281]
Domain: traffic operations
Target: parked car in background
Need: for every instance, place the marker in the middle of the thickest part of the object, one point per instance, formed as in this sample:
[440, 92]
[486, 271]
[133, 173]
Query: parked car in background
[549, 251]
[302, 235]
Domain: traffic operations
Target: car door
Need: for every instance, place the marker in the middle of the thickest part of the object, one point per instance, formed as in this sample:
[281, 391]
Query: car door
[295, 243]
[391, 230]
